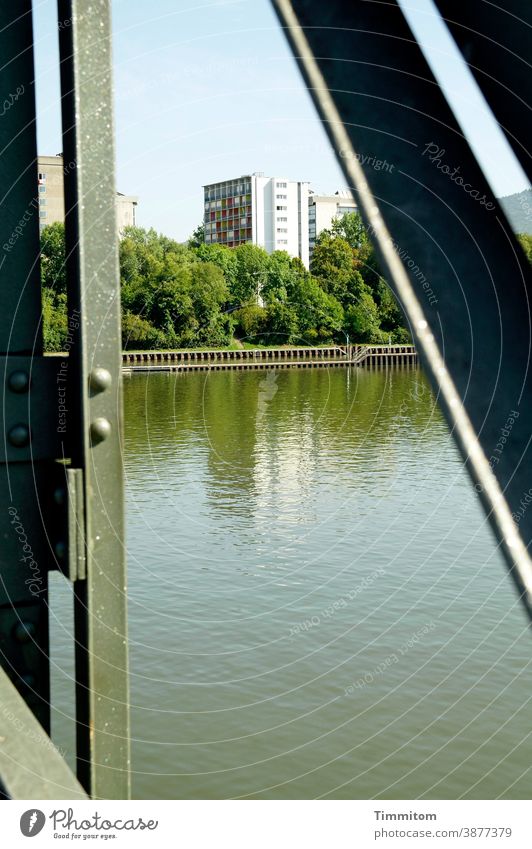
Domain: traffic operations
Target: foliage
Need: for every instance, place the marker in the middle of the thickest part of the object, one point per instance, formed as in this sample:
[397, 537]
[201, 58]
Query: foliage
[198, 294]
[198, 236]
[53, 271]
[350, 227]
[54, 319]
[526, 244]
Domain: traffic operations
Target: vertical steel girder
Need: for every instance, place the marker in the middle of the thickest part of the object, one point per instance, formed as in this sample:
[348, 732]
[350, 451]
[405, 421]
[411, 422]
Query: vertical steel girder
[436, 226]
[95, 382]
[25, 555]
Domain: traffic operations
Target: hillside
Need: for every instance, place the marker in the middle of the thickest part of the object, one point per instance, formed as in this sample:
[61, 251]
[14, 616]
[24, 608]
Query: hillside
[518, 208]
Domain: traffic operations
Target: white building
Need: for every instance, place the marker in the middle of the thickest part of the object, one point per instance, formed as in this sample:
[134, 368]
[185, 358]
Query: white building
[50, 177]
[324, 209]
[271, 212]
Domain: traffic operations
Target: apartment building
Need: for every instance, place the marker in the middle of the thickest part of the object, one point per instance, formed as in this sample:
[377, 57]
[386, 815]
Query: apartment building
[324, 209]
[50, 175]
[268, 211]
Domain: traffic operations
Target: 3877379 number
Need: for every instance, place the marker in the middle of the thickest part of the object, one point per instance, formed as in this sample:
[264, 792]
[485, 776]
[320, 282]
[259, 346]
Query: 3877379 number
[485, 831]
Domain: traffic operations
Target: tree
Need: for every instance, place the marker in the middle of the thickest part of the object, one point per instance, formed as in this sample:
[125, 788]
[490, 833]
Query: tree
[53, 271]
[334, 266]
[223, 257]
[362, 319]
[526, 244]
[350, 227]
[198, 236]
[250, 273]
[54, 319]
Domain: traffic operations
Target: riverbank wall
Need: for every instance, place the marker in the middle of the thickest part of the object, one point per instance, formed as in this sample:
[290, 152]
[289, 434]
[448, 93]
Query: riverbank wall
[266, 358]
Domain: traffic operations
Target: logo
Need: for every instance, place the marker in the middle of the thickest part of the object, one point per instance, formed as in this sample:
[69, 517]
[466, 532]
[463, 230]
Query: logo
[32, 822]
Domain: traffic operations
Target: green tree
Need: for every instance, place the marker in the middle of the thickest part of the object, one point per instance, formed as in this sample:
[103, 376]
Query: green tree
[223, 257]
[140, 334]
[250, 273]
[53, 272]
[526, 243]
[54, 319]
[198, 236]
[350, 227]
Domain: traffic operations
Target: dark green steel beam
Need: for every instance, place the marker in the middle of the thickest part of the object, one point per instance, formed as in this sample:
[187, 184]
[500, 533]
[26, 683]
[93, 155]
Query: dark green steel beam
[94, 429]
[25, 555]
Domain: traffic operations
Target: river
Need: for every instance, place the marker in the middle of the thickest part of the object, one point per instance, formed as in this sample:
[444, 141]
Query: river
[317, 607]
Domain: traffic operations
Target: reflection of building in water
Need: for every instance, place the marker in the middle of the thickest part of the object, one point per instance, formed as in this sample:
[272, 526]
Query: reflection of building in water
[286, 452]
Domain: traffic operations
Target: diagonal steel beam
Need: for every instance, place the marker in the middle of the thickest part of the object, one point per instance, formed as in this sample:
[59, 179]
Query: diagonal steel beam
[496, 42]
[424, 197]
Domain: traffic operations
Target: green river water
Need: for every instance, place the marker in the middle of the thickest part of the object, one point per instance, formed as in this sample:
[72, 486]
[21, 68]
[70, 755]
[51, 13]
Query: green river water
[317, 607]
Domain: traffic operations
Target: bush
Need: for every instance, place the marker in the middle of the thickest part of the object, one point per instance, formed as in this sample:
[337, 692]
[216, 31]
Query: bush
[139, 333]
[54, 320]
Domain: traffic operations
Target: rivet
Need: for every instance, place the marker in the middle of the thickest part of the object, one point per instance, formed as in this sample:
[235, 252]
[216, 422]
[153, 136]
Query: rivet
[60, 550]
[19, 435]
[100, 429]
[59, 496]
[19, 381]
[24, 632]
[99, 379]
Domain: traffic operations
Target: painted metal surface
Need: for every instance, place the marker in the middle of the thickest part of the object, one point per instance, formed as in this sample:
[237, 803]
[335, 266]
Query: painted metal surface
[94, 427]
[30, 765]
[25, 555]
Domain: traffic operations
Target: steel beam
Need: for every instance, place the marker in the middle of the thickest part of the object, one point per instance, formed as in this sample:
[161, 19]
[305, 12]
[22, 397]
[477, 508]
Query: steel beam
[25, 555]
[435, 225]
[94, 428]
[496, 42]
[30, 765]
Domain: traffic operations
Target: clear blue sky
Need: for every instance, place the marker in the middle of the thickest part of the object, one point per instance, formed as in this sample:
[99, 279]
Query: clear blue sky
[207, 91]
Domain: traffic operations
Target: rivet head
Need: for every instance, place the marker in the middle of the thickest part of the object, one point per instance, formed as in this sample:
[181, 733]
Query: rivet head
[99, 379]
[100, 429]
[19, 381]
[60, 550]
[24, 632]
[19, 435]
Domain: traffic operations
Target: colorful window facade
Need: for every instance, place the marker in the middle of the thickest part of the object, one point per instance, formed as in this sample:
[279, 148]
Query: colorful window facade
[231, 223]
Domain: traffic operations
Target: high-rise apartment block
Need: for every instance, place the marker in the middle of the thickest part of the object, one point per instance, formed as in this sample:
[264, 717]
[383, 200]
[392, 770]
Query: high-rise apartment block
[324, 209]
[268, 211]
[50, 177]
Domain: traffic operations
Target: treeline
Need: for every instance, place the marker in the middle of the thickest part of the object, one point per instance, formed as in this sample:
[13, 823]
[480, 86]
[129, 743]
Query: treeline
[197, 294]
